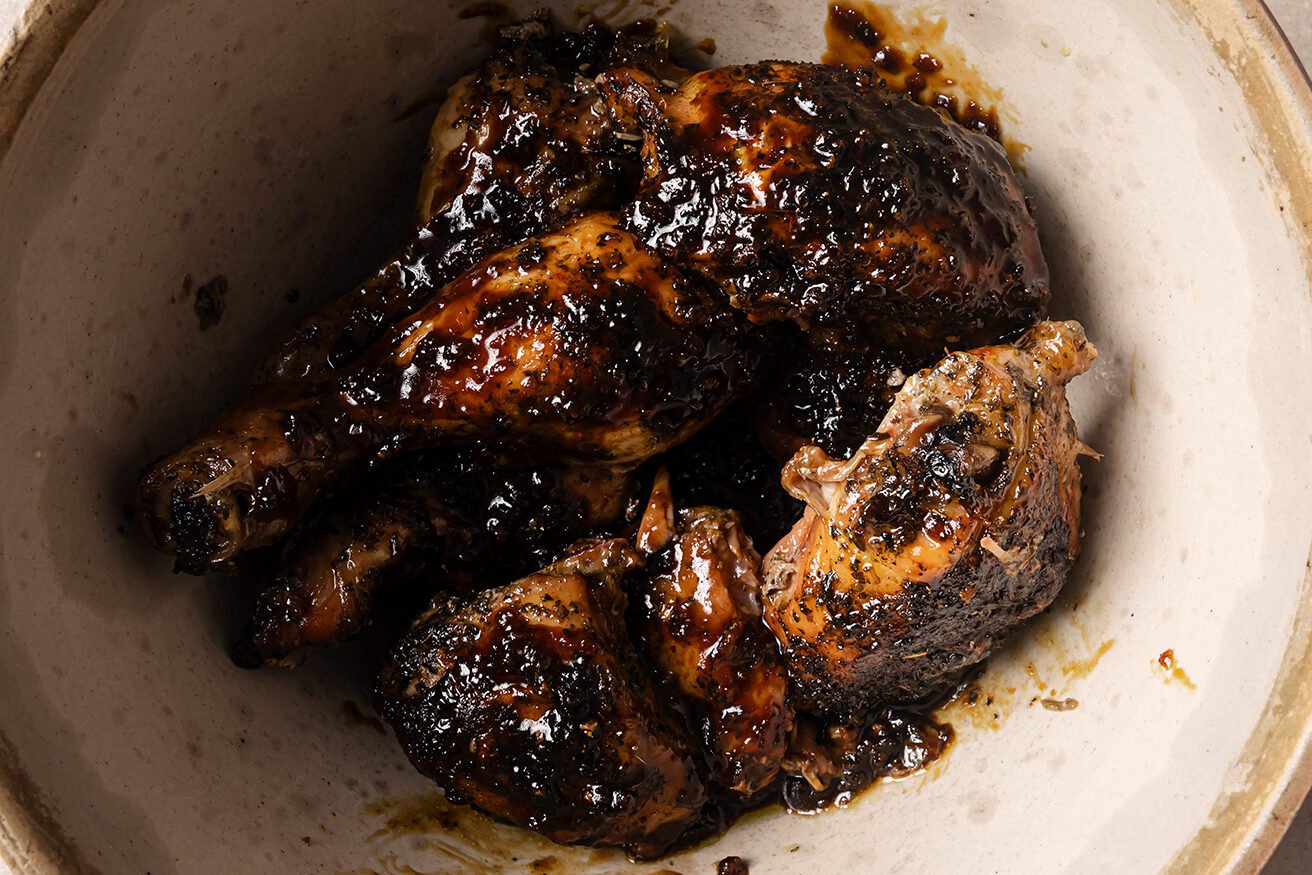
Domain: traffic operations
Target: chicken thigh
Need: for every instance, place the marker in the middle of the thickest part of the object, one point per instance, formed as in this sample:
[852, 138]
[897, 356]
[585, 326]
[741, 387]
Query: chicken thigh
[812, 193]
[578, 344]
[957, 520]
[530, 702]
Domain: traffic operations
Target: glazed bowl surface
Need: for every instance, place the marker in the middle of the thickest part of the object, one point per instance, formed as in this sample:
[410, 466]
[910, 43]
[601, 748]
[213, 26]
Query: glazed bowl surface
[150, 147]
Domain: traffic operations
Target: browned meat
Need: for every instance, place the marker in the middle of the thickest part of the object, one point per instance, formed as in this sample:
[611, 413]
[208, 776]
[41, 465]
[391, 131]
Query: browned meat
[957, 520]
[521, 142]
[698, 612]
[829, 392]
[451, 519]
[812, 193]
[530, 702]
[578, 344]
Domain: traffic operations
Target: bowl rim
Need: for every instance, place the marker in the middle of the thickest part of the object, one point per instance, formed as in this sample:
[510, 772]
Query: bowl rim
[1244, 826]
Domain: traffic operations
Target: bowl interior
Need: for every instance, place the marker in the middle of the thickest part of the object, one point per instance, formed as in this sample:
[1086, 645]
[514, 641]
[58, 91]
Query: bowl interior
[277, 146]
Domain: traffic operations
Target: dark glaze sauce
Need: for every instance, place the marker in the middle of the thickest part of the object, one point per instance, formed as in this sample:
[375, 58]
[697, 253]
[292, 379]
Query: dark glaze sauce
[726, 465]
[504, 193]
[835, 760]
[864, 35]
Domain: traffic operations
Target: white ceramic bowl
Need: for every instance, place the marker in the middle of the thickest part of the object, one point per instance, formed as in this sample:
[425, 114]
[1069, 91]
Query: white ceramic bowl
[148, 145]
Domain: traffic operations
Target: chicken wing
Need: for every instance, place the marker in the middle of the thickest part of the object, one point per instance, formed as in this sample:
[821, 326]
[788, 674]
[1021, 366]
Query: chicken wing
[813, 193]
[579, 344]
[951, 525]
[530, 702]
[697, 610]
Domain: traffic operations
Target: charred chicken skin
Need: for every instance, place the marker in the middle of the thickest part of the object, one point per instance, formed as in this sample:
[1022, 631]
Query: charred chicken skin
[449, 519]
[518, 145]
[698, 611]
[531, 703]
[812, 193]
[952, 524]
[579, 342]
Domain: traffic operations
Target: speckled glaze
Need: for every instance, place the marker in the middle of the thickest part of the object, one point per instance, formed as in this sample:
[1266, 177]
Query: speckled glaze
[147, 148]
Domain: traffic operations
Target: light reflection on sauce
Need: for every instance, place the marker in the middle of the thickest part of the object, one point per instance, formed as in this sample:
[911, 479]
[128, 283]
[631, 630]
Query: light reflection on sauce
[913, 57]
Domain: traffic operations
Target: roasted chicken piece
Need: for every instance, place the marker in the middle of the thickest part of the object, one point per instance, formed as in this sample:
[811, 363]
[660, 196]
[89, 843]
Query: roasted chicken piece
[526, 136]
[956, 521]
[520, 143]
[813, 193]
[578, 344]
[697, 610]
[449, 519]
[531, 703]
[831, 392]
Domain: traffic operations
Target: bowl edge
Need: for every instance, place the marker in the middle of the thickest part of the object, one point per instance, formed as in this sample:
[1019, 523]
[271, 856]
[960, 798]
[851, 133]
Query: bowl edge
[1244, 826]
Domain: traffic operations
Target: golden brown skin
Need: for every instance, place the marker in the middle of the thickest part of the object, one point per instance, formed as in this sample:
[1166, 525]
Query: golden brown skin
[530, 703]
[812, 193]
[698, 612]
[955, 522]
[520, 143]
[578, 344]
[448, 518]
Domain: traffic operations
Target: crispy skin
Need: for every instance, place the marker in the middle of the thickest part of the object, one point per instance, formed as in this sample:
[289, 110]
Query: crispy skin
[812, 193]
[954, 523]
[527, 132]
[520, 143]
[434, 519]
[530, 703]
[697, 610]
[577, 344]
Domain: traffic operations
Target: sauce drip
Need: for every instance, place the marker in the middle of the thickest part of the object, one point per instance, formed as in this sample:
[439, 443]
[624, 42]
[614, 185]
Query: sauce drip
[831, 761]
[913, 59]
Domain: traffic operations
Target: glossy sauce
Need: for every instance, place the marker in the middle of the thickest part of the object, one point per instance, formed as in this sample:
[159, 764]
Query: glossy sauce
[914, 59]
[856, 754]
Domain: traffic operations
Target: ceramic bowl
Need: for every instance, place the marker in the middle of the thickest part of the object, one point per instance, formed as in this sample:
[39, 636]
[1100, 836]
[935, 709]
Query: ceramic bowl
[149, 147]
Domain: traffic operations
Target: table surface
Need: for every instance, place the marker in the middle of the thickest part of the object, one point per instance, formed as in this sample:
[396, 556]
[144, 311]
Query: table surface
[1294, 855]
